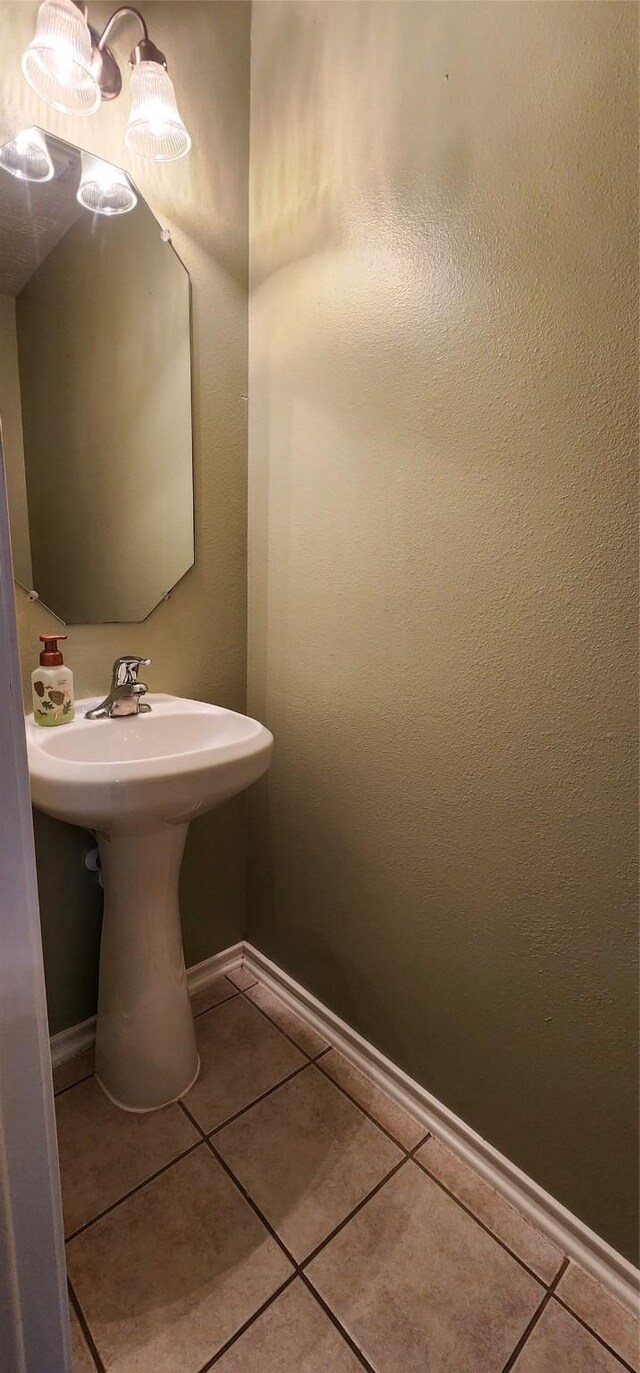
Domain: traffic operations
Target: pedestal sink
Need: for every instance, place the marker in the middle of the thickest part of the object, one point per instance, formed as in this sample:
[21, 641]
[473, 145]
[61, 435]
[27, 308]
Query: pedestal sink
[138, 781]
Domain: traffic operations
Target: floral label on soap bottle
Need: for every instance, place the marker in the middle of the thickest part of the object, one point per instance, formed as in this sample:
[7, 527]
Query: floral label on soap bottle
[54, 702]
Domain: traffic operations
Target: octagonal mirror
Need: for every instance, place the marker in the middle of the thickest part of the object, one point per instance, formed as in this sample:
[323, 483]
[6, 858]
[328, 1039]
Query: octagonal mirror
[95, 386]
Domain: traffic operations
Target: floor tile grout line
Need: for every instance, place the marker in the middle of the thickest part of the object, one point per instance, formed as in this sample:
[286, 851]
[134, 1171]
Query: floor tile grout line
[348, 1339]
[299, 1267]
[232, 997]
[206, 1139]
[427, 1135]
[412, 1152]
[187, 1113]
[299, 1264]
[132, 1191]
[237, 991]
[516, 1352]
[408, 1156]
[366, 1112]
[328, 1049]
[408, 1153]
[411, 1155]
[243, 1191]
[242, 991]
[276, 1026]
[248, 1323]
[70, 1086]
[600, 1338]
[234, 984]
[354, 1212]
[511, 1252]
[254, 1207]
[85, 1327]
[243, 1109]
[59, 1092]
[318, 1300]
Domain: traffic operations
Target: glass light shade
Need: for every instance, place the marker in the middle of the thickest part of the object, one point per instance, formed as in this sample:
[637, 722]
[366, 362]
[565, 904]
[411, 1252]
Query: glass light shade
[155, 128]
[104, 189]
[27, 156]
[57, 63]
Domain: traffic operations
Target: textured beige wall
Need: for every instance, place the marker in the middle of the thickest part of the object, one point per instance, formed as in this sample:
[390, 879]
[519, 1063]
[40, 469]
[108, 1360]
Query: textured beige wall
[197, 639]
[442, 638]
[12, 440]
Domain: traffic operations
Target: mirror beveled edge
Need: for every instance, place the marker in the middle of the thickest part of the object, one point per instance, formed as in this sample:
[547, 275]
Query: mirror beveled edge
[132, 613]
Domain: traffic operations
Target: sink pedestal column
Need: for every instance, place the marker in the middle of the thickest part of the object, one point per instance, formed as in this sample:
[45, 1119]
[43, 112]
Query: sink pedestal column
[146, 1053]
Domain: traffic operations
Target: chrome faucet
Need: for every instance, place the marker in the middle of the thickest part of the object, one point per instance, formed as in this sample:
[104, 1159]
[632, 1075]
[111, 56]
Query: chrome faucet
[125, 691]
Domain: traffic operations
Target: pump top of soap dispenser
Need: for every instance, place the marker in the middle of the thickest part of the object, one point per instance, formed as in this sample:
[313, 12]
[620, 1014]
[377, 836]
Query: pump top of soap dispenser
[51, 655]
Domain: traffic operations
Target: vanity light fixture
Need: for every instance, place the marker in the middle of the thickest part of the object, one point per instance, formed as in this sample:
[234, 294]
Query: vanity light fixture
[57, 62]
[69, 64]
[27, 157]
[104, 189]
[154, 128]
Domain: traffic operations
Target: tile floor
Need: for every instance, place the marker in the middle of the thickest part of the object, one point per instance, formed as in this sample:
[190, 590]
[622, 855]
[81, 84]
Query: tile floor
[288, 1217]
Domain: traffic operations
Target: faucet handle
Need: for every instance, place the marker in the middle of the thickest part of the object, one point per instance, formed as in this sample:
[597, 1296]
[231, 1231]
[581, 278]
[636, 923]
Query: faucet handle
[125, 670]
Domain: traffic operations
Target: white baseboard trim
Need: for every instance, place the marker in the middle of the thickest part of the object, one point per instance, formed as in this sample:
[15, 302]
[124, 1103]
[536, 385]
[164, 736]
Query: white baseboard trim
[73, 1041]
[201, 975]
[570, 1234]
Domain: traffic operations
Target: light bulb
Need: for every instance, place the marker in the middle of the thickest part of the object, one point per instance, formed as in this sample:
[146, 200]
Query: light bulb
[155, 128]
[104, 189]
[57, 63]
[27, 156]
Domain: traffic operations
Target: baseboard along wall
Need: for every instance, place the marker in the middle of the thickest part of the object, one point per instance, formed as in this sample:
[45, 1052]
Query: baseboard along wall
[564, 1229]
[73, 1041]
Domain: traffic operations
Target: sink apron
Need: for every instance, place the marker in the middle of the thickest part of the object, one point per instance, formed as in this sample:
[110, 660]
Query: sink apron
[146, 1053]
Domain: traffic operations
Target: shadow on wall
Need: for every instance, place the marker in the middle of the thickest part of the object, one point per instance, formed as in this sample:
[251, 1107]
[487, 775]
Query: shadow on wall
[213, 881]
[297, 945]
[71, 920]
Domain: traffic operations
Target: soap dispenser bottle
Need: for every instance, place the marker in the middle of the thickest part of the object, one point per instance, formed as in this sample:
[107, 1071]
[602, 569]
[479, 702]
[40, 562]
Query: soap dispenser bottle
[52, 685]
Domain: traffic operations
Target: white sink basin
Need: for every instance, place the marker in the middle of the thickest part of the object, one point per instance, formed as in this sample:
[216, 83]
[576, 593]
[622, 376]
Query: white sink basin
[129, 773]
[137, 781]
